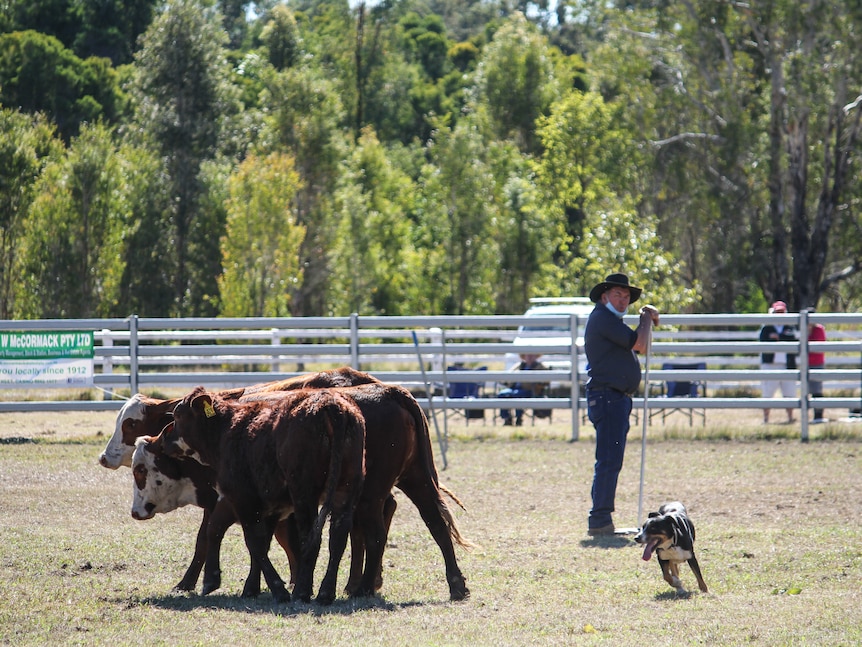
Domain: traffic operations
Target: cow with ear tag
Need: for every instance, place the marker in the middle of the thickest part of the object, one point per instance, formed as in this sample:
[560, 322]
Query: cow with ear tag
[174, 483]
[274, 457]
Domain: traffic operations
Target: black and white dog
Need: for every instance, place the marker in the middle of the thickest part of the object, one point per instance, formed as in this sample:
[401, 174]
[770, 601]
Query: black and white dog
[670, 534]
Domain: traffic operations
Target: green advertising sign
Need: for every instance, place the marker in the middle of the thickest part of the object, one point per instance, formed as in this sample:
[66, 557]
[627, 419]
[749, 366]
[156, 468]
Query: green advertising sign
[38, 345]
[46, 358]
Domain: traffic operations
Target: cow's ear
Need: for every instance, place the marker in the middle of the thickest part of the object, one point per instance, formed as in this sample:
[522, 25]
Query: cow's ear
[204, 403]
[652, 515]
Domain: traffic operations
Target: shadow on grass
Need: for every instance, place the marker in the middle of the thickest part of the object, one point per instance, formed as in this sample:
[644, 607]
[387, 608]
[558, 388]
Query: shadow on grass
[672, 595]
[266, 604]
[607, 541]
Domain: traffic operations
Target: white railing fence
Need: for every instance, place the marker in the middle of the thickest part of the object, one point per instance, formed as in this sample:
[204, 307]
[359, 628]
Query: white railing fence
[156, 354]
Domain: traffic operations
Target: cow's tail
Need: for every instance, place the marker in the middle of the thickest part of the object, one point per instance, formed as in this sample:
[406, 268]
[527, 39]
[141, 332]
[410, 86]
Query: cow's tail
[424, 445]
[337, 424]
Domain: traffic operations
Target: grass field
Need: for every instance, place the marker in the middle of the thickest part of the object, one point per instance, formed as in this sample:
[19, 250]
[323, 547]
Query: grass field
[778, 525]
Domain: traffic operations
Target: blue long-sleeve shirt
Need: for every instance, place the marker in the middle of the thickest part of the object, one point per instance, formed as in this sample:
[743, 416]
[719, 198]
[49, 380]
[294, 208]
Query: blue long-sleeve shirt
[608, 343]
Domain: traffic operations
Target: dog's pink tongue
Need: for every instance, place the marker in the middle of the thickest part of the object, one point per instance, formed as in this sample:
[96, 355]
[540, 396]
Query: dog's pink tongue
[649, 548]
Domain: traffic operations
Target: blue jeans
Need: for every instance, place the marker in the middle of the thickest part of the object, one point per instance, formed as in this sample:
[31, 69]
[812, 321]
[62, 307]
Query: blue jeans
[609, 411]
[514, 392]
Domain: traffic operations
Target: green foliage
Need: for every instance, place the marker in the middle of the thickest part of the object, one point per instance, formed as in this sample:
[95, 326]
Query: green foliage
[517, 81]
[260, 249]
[372, 254]
[182, 102]
[146, 287]
[456, 215]
[72, 261]
[281, 38]
[27, 145]
[612, 243]
[307, 119]
[38, 74]
[490, 151]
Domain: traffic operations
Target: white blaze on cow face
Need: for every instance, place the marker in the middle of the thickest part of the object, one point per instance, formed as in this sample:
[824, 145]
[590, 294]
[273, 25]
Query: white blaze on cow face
[153, 492]
[120, 447]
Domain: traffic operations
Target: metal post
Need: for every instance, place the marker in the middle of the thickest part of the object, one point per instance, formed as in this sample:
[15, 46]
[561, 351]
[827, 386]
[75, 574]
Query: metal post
[644, 428]
[430, 393]
[576, 379]
[133, 354]
[804, 369]
[354, 341]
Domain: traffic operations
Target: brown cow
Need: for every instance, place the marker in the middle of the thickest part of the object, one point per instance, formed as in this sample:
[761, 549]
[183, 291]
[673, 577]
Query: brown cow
[163, 484]
[398, 454]
[144, 416]
[275, 457]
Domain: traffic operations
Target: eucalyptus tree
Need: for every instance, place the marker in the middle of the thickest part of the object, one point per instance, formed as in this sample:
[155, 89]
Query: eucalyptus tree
[261, 246]
[27, 145]
[306, 119]
[751, 112]
[183, 100]
[103, 28]
[39, 74]
[72, 262]
[373, 262]
[588, 177]
[456, 210]
[516, 80]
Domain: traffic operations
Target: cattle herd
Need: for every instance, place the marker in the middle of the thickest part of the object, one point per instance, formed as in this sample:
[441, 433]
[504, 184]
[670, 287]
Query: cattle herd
[280, 458]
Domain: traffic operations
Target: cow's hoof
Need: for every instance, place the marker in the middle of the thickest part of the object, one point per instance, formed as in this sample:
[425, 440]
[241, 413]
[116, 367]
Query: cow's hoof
[458, 590]
[250, 591]
[281, 597]
[325, 598]
[362, 592]
[211, 583]
[183, 587]
[301, 596]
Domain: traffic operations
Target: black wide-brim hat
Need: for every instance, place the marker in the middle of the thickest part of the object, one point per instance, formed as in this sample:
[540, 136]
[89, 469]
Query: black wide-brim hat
[614, 281]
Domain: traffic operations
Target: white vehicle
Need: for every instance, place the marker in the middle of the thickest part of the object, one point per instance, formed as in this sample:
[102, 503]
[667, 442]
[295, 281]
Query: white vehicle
[540, 335]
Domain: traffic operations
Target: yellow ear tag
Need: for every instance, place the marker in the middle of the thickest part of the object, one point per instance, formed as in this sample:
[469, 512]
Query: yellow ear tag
[208, 410]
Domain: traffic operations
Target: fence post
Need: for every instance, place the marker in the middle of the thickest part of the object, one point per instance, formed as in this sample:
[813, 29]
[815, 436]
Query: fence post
[133, 354]
[275, 340]
[354, 341]
[803, 374]
[576, 379]
[107, 361]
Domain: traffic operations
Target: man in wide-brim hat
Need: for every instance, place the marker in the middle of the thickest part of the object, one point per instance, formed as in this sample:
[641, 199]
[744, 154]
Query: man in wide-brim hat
[615, 280]
[614, 375]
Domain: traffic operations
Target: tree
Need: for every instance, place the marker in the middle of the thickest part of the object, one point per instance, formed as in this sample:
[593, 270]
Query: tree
[102, 28]
[306, 120]
[38, 74]
[517, 81]
[372, 250]
[147, 283]
[72, 261]
[260, 249]
[27, 144]
[183, 100]
[457, 208]
[744, 108]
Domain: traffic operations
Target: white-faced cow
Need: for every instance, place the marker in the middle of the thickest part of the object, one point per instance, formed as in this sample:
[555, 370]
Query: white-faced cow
[276, 457]
[162, 484]
[192, 484]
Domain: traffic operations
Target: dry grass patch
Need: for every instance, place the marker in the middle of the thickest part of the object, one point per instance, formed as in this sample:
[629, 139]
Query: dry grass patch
[778, 526]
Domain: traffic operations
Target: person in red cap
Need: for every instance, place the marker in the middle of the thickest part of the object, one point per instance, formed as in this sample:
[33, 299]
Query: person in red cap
[614, 375]
[778, 361]
[816, 362]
